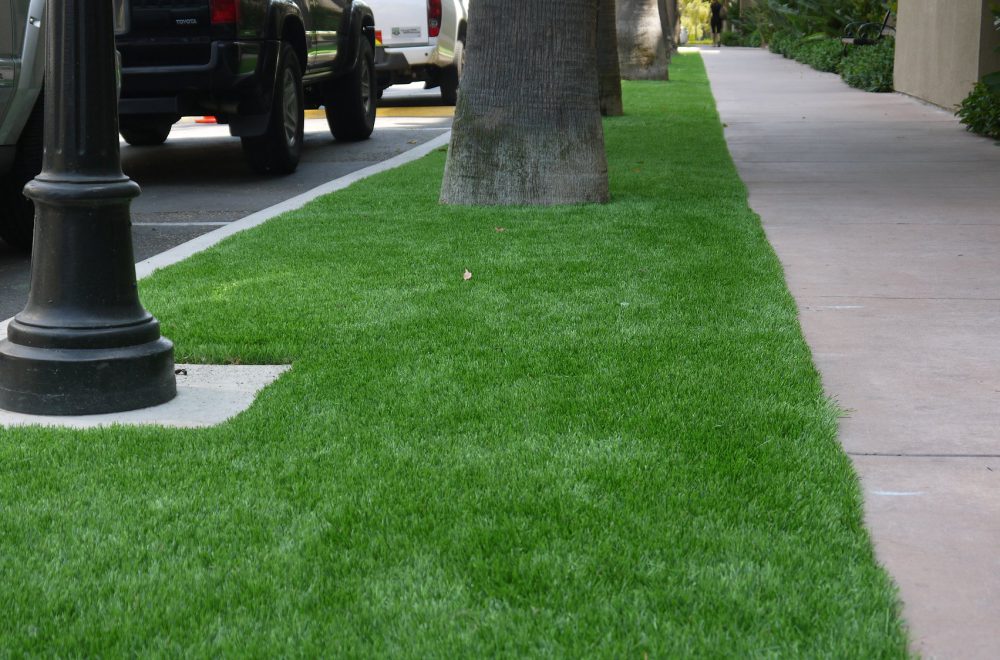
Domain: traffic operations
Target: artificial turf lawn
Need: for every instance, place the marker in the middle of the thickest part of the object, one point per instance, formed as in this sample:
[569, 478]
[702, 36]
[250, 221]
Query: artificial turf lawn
[611, 441]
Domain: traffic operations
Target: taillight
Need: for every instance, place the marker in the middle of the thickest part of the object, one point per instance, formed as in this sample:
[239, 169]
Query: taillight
[433, 17]
[225, 11]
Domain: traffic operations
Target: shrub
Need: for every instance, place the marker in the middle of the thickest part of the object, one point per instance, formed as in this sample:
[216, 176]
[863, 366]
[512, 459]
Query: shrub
[766, 18]
[783, 43]
[695, 15]
[821, 54]
[729, 38]
[980, 111]
[870, 67]
[749, 23]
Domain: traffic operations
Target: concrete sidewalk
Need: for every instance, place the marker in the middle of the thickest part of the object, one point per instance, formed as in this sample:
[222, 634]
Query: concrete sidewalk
[886, 216]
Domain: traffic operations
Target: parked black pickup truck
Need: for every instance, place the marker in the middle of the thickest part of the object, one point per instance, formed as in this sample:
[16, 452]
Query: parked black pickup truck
[253, 64]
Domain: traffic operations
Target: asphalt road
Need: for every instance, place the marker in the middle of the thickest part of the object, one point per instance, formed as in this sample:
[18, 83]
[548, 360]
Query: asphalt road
[197, 181]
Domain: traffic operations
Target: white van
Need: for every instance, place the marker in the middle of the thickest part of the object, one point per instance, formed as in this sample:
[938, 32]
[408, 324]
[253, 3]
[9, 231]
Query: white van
[421, 40]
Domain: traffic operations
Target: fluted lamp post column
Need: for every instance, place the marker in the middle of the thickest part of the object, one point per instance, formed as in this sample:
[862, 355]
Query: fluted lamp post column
[84, 344]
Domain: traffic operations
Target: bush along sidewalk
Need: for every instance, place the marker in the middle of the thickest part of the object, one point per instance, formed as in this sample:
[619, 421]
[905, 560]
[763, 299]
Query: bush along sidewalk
[980, 111]
[821, 54]
[607, 439]
[870, 67]
[865, 67]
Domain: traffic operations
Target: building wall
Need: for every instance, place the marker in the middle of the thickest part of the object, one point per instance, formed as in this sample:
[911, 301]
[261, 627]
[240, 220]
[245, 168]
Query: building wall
[942, 48]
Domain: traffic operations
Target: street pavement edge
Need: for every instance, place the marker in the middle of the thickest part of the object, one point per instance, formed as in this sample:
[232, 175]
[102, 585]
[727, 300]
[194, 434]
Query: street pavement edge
[147, 267]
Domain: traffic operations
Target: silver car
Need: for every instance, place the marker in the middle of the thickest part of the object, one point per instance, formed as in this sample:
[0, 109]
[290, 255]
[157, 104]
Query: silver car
[22, 64]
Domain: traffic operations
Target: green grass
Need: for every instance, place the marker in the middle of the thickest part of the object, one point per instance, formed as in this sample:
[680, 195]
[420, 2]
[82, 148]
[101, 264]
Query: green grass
[610, 442]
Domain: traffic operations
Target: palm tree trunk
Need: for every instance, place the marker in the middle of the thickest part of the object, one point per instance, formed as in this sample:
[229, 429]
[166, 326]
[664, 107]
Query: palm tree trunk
[641, 45]
[527, 126]
[670, 16]
[608, 68]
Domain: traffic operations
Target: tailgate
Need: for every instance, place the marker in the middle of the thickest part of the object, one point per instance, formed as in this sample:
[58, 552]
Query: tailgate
[402, 22]
[167, 32]
[170, 17]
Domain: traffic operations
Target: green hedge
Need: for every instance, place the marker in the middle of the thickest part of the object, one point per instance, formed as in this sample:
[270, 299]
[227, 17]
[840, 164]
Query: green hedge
[783, 43]
[865, 67]
[730, 38]
[870, 67]
[821, 54]
[764, 18]
[980, 111]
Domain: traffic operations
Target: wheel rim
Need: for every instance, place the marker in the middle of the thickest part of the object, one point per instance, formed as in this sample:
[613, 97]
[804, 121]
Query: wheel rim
[290, 109]
[366, 86]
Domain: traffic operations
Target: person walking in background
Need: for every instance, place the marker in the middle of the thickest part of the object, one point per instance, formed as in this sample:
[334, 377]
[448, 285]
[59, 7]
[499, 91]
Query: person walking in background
[716, 22]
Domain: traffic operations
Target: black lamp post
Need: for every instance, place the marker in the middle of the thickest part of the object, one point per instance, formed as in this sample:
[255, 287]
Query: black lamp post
[83, 344]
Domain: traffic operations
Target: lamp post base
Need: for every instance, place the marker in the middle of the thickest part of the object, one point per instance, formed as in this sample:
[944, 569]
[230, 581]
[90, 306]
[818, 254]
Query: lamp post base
[86, 381]
[83, 344]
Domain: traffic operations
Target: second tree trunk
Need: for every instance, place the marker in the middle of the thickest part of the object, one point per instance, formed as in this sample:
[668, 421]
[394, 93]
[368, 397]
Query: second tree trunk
[528, 124]
[642, 47]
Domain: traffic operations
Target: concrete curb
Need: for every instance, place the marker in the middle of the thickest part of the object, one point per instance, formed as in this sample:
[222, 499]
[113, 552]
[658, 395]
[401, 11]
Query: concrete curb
[176, 254]
[149, 266]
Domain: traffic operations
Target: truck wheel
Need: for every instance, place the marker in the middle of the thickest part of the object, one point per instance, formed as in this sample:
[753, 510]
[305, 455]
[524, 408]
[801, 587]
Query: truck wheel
[351, 99]
[278, 150]
[145, 134]
[451, 76]
[18, 222]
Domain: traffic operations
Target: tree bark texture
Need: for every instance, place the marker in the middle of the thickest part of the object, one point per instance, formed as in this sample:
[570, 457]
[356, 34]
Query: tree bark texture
[642, 48]
[527, 127]
[670, 16]
[608, 69]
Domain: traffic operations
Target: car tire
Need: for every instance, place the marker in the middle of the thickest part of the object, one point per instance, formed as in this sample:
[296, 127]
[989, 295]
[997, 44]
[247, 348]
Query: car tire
[451, 76]
[145, 134]
[18, 225]
[279, 149]
[352, 99]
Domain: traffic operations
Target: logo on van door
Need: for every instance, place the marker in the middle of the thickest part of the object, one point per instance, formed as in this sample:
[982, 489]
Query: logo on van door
[186, 21]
